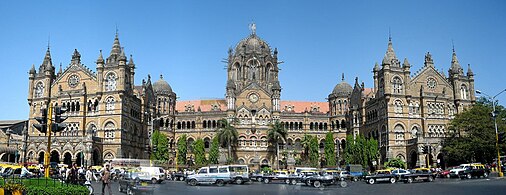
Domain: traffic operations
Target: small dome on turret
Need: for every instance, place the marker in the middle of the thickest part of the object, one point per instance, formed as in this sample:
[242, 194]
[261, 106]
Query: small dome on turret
[342, 89]
[162, 87]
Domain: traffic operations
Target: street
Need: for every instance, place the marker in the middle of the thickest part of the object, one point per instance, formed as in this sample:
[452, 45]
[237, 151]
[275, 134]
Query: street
[440, 186]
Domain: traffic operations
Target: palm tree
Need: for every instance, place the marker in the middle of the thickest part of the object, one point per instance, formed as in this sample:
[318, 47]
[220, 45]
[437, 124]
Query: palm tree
[306, 142]
[227, 135]
[276, 133]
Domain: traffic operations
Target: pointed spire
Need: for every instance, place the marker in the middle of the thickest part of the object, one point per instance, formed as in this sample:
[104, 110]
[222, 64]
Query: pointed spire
[131, 61]
[342, 79]
[116, 47]
[100, 59]
[376, 67]
[32, 70]
[76, 57]
[469, 71]
[385, 61]
[122, 56]
[406, 63]
[455, 67]
[61, 69]
[428, 60]
[47, 63]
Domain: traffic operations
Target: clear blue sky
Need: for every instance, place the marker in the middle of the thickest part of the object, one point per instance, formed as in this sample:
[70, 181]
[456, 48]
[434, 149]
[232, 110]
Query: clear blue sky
[187, 40]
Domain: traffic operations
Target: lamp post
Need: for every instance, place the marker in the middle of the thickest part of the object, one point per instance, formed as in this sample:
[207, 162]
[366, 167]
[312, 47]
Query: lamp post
[495, 123]
[8, 132]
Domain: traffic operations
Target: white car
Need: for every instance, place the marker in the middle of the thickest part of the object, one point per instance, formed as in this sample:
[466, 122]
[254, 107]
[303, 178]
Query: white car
[154, 174]
[239, 173]
[219, 175]
[399, 172]
[462, 167]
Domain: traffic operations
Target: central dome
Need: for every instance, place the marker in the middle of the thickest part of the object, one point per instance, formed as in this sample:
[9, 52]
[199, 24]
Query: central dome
[342, 89]
[162, 87]
[252, 44]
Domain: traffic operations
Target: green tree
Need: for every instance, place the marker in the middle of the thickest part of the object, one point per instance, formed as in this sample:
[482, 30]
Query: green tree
[181, 150]
[160, 144]
[330, 149]
[314, 156]
[305, 143]
[275, 134]
[227, 135]
[396, 162]
[472, 135]
[360, 150]
[214, 152]
[199, 152]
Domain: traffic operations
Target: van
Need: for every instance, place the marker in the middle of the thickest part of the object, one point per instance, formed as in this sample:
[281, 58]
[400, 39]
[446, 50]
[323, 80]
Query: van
[219, 175]
[154, 174]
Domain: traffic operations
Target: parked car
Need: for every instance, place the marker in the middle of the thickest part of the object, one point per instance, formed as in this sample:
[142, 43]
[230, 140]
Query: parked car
[356, 172]
[131, 184]
[239, 173]
[399, 172]
[302, 177]
[475, 170]
[455, 172]
[445, 173]
[257, 176]
[179, 176]
[277, 176]
[219, 175]
[154, 174]
[380, 176]
[323, 179]
[419, 174]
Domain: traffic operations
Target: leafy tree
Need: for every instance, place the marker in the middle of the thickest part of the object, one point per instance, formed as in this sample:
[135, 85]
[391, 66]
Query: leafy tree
[472, 134]
[227, 135]
[314, 152]
[181, 150]
[275, 134]
[199, 152]
[160, 150]
[214, 152]
[330, 153]
[360, 150]
[305, 143]
[396, 162]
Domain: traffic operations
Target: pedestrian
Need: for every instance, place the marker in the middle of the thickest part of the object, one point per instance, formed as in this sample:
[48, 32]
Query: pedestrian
[106, 174]
[73, 174]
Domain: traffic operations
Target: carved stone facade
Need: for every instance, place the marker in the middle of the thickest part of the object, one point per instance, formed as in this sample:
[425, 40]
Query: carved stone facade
[107, 114]
[404, 112]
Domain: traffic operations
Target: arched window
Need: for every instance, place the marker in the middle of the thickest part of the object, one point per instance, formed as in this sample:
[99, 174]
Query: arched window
[343, 124]
[206, 143]
[396, 85]
[463, 92]
[110, 82]
[204, 124]
[398, 107]
[399, 134]
[93, 129]
[109, 105]
[109, 131]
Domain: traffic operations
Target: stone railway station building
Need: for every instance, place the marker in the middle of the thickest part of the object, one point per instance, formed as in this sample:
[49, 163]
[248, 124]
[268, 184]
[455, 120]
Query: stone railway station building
[109, 117]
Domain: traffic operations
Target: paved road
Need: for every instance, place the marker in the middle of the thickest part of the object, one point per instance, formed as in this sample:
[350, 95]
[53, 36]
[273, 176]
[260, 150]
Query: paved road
[491, 186]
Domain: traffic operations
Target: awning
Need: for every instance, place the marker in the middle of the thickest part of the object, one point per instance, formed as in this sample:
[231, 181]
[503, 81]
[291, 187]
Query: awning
[5, 149]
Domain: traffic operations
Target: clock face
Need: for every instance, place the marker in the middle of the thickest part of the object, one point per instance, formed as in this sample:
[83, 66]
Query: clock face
[431, 83]
[253, 98]
[73, 80]
[39, 90]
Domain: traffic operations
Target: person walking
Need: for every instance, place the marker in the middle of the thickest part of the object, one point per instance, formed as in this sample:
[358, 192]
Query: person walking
[106, 176]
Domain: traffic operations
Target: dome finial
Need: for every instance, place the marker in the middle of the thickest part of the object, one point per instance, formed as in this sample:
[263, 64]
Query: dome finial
[253, 28]
[161, 76]
[343, 77]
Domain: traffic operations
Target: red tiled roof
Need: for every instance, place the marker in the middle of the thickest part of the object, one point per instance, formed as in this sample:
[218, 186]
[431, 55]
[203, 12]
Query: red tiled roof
[205, 105]
[297, 106]
[301, 106]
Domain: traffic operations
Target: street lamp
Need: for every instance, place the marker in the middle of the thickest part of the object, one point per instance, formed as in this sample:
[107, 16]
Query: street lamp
[495, 123]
